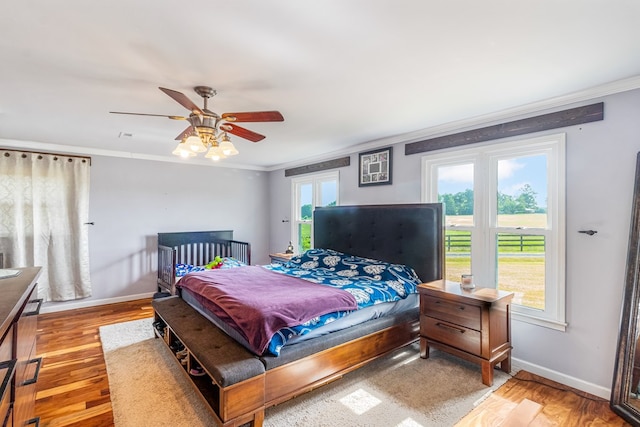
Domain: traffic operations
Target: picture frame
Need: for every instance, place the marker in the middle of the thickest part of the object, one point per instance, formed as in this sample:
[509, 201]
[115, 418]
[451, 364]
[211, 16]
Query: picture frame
[375, 167]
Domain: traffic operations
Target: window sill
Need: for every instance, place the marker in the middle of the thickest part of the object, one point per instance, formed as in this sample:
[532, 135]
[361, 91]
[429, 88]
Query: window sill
[539, 321]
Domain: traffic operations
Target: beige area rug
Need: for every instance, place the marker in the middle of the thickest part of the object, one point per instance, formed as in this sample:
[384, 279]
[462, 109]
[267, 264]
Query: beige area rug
[149, 388]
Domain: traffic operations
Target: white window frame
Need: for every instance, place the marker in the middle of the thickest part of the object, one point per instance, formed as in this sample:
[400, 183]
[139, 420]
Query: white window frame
[316, 181]
[485, 158]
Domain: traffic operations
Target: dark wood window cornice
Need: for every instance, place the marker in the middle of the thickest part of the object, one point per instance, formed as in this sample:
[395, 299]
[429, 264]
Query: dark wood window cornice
[559, 119]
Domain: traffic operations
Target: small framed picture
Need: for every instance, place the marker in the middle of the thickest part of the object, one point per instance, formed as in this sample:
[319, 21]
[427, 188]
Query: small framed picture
[375, 167]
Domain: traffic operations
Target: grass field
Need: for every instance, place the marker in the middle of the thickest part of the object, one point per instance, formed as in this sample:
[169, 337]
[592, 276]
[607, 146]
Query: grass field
[522, 275]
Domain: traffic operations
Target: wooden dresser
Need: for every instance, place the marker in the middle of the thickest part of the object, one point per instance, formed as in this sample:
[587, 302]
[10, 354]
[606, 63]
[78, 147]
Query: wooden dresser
[19, 368]
[474, 325]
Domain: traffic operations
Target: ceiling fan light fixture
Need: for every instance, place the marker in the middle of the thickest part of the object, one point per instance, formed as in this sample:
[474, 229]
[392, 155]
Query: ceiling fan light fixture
[208, 130]
[194, 142]
[183, 150]
[215, 154]
[227, 146]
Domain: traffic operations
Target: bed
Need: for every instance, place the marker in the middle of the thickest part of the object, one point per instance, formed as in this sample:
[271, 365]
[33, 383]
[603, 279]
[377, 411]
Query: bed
[195, 248]
[240, 384]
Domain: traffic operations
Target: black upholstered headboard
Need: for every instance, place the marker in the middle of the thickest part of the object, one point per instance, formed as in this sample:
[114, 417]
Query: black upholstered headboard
[410, 234]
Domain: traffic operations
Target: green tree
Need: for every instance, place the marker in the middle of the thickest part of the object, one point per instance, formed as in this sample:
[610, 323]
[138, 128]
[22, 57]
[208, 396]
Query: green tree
[449, 203]
[506, 204]
[464, 202]
[527, 199]
[461, 203]
[305, 212]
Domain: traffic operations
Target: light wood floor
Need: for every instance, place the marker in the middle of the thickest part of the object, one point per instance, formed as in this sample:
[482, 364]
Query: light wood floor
[73, 389]
[560, 405]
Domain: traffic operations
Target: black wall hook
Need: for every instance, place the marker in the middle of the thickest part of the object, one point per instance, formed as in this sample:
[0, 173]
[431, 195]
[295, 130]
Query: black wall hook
[589, 232]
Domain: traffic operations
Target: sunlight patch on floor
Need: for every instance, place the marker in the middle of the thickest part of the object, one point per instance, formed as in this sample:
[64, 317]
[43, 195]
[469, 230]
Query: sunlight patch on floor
[404, 361]
[409, 422]
[360, 401]
[400, 355]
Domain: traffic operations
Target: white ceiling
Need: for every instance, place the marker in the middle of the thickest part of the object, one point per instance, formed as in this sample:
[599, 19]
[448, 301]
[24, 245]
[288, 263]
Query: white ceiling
[344, 73]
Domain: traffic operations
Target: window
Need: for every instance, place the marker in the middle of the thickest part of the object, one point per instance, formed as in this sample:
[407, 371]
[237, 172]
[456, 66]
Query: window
[308, 193]
[504, 220]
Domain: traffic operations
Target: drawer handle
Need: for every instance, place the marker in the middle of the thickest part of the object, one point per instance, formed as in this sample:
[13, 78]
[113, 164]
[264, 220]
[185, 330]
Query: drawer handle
[10, 366]
[38, 362]
[37, 310]
[453, 328]
[439, 302]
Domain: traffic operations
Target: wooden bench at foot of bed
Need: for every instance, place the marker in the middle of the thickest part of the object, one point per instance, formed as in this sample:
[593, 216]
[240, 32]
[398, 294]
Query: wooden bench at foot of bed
[239, 386]
[233, 386]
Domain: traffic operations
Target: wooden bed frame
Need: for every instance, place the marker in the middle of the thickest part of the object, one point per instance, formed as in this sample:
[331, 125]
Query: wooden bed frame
[195, 248]
[409, 234]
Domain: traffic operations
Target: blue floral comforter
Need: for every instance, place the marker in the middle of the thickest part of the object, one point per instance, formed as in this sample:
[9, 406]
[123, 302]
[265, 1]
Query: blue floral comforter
[369, 281]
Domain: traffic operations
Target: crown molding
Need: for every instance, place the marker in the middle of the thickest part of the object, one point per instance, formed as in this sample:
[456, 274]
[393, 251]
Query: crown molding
[88, 151]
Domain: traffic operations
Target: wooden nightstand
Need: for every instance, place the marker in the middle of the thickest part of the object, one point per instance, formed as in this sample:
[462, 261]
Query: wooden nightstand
[280, 258]
[474, 325]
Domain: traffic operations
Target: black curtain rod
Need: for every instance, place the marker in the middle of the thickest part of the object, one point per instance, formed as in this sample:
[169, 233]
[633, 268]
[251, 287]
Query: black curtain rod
[49, 154]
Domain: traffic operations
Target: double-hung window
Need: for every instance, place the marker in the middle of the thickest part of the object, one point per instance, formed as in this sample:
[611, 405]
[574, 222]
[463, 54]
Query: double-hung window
[505, 220]
[310, 192]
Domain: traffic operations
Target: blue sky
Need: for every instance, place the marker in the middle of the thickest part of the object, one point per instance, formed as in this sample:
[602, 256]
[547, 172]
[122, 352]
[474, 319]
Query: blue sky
[328, 193]
[513, 175]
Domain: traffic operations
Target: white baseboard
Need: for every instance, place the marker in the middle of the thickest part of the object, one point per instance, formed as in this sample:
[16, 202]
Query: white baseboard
[55, 307]
[596, 390]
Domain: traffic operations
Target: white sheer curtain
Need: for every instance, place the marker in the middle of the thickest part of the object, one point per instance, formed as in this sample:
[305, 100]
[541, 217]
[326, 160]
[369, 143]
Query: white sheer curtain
[44, 203]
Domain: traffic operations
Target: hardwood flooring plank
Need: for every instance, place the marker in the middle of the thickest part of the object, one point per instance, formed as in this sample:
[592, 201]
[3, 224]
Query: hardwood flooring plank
[71, 388]
[97, 416]
[67, 350]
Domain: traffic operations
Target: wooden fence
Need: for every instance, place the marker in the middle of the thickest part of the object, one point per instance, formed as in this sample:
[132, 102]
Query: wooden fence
[510, 243]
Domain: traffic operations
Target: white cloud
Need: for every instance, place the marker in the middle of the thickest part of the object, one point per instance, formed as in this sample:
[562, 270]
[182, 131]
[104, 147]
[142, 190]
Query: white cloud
[457, 173]
[506, 168]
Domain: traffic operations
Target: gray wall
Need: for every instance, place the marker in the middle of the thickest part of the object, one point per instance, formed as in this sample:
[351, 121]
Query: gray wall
[132, 200]
[600, 175]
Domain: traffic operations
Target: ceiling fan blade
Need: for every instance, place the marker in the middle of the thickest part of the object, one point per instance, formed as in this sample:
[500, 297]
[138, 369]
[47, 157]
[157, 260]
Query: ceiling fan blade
[182, 99]
[188, 131]
[254, 116]
[242, 132]
[154, 115]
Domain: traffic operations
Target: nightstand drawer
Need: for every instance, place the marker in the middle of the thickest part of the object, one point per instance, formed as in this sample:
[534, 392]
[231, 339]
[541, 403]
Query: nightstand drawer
[465, 339]
[459, 313]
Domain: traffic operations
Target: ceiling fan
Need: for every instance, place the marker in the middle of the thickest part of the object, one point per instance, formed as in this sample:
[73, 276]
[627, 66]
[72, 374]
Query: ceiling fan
[208, 130]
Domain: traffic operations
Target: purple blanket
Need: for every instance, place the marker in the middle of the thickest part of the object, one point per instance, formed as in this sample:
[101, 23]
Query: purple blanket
[257, 302]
